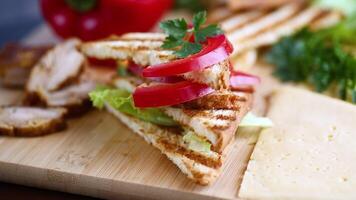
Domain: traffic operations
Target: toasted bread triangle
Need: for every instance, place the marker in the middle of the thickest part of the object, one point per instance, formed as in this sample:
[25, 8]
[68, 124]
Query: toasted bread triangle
[217, 126]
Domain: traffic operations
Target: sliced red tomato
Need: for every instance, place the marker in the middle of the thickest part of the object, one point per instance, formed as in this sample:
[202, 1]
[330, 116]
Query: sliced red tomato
[102, 62]
[216, 50]
[137, 71]
[168, 94]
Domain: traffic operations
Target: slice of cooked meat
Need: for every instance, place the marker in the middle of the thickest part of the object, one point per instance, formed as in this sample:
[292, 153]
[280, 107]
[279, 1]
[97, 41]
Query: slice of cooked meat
[59, 66]
[28, 121]
[16, 62]
[58, 79]
[72, 95]
[145, 49]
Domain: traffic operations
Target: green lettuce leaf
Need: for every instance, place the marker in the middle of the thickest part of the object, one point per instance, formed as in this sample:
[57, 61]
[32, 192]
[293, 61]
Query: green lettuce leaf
[196, 143]
[250, 120]
[122, 101]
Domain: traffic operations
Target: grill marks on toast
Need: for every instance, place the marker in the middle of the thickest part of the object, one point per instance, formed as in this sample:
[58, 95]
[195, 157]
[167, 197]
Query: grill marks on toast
[218, 126]
[286, 28]
[199, 167]
[142, 48]
[254, 29]
[217, 100]
[265, 22]
[199, 158]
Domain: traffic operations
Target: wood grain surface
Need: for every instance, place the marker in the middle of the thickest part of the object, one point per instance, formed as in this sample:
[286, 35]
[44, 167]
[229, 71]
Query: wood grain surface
[98, 156]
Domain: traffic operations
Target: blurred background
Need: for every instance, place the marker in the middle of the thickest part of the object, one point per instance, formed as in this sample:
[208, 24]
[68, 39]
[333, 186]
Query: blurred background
[18, 18]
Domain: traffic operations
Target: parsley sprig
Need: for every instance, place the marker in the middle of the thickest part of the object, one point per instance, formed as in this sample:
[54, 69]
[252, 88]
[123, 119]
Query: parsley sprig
[319, 58]
[178, 30]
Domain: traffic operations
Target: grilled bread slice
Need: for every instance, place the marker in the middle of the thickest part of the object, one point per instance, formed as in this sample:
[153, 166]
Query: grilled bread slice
[216, 126]
[145, 49]
[254, 28]
[28, 121]
[202, 169]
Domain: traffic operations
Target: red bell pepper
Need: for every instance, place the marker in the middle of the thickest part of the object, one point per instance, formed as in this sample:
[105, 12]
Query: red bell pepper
[95, 19]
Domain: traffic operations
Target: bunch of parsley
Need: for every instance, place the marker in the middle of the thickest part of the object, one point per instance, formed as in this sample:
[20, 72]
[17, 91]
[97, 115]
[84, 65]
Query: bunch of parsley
[178, 30]
[319, 58]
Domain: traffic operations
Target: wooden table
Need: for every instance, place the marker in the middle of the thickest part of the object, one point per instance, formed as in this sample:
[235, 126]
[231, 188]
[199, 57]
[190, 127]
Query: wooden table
[11, 191]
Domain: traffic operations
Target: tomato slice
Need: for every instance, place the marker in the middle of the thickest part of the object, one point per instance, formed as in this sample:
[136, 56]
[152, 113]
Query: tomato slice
[102, 62]
[240, 80]
[167, 94]
[216, 50]
[137, 71]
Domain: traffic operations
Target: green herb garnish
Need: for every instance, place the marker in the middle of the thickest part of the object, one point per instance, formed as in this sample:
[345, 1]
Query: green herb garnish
[179, 33]
[319, 59]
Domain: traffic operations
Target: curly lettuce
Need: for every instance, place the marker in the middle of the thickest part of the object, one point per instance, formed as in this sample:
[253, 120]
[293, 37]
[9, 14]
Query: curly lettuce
[196, 143]
[122, 101]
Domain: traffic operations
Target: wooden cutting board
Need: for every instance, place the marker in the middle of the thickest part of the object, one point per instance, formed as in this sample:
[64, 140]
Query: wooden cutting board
[98, 156]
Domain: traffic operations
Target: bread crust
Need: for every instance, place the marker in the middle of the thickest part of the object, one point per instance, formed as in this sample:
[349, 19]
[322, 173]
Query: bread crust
[200, 169]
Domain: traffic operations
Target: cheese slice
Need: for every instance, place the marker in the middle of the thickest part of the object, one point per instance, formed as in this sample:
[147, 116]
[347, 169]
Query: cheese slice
[310, 153]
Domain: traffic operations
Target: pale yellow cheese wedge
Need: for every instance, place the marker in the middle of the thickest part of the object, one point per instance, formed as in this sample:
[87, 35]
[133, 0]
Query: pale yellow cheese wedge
[310, 153]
